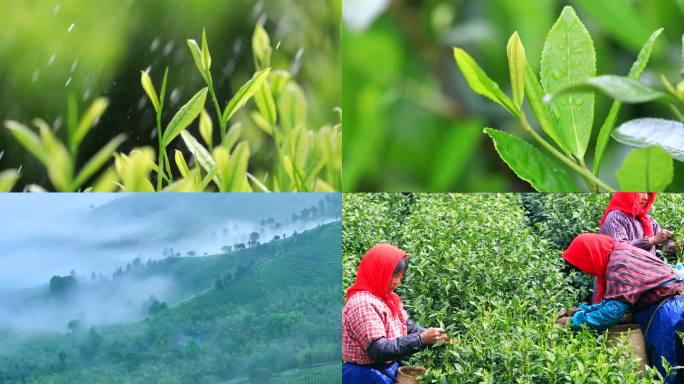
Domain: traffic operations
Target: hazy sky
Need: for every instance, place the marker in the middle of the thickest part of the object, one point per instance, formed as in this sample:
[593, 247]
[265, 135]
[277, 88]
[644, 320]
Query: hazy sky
[42, 235]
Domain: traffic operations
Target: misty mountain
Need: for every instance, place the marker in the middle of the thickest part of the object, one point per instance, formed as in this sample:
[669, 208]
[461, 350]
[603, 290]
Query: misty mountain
[269, 312]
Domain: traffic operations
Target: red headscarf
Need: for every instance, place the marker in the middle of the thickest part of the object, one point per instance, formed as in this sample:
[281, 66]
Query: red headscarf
[590, 253]
[375, 272]
[628, 202]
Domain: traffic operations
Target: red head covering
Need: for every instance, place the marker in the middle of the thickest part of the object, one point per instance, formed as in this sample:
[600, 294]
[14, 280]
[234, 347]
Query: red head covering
[375, 272]
[590, 253]
[628, 202]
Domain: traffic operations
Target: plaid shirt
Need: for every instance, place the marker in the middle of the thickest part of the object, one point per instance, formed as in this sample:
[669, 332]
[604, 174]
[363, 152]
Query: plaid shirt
[366, 318]
[639, 278]
[626, 229]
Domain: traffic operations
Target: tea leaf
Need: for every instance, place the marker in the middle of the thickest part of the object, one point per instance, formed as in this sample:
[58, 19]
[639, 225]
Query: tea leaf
[59, 165]
[645, 132]
[206, 127]
[107, 182]
[261, 46]
[292, 107]
[181, 164]
[162, 94]
[201, 155]
[206, 56]
[196, 55]
[134, 169]
[232, 136]
[634, 73]
[569, 57]
[266, 104]
[244, 94]
[516, 67]
[97, 161]
[535, 97]
[96, 109]
[28, 140]
[7, 179]
[147, 85]
[647, 169]
[619, 88]
[232, 168]
[185, 116]
[481, 83]
[531, 165]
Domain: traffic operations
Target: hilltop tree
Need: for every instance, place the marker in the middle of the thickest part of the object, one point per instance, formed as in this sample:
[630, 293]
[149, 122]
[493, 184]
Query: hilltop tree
[61, 286]
[253, 239]
[226, 248]
[74, 325]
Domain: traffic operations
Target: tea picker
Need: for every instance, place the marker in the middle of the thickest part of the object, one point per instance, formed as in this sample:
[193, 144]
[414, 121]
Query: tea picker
[631, 280]
[376, 330]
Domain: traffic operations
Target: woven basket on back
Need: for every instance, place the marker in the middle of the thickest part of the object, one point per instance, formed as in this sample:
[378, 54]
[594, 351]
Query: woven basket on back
[408, 374]
[633, 334]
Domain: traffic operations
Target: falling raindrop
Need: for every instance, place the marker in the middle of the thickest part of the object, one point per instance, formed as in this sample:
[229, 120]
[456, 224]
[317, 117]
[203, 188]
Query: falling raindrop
[153, 134]
[35, 76]
[67, 82]
[74, 65]
[277, 45]
[57, 8]
[52, 59]
[57, 124]
[297, 63]
[168, 48]
[148, 69]
[175, 95]
[86, 94]
[154, 45]
[71, 27]
[2, 153]
[142, 102]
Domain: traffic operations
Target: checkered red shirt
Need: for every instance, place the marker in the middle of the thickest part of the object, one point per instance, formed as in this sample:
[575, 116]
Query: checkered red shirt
[638, 278]
[366, 318]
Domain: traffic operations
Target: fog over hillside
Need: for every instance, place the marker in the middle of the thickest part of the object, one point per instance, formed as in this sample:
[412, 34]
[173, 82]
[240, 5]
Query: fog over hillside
[90, 236]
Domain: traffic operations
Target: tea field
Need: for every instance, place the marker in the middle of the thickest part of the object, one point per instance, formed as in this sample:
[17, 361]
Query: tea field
[489, 268]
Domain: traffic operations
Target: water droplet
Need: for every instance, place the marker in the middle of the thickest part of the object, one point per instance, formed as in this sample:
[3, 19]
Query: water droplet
[277, 45]
[555, 112]
[153, 134]
[547, 98]
[57, 124]
[168, 48]
[175, 95]
[142, 102]
[35, 76]
[71, 27]
[86, 94]
[154, 45]
[297, 63]
[2, 153]
[74, 65]
[578, 100]
[67, 82]
[556, 74]
[57, 8]
[52, 59]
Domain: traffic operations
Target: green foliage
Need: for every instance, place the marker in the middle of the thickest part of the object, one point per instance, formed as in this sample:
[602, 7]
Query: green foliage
[646, 169]
[210, 335]
[305, 160]
[495, 285]
[565, 113]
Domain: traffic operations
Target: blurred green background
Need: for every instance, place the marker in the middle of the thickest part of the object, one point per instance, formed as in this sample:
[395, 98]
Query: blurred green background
[52, 48]
[412, 123]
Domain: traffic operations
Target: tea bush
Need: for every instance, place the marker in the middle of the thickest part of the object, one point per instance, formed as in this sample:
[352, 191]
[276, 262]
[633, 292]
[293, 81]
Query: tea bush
[494, 281]
[561, 97]
[305, 159]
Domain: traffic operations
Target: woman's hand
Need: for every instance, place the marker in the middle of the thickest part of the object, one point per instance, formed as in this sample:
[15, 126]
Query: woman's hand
[662, 236]
[563, 320]
[431, 336]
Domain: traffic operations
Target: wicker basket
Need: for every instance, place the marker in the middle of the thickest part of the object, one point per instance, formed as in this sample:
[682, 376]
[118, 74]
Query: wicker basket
[633, 334]
[409, 374]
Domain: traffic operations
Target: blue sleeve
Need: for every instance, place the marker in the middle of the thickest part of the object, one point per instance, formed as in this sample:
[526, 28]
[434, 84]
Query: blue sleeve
[600, 316]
